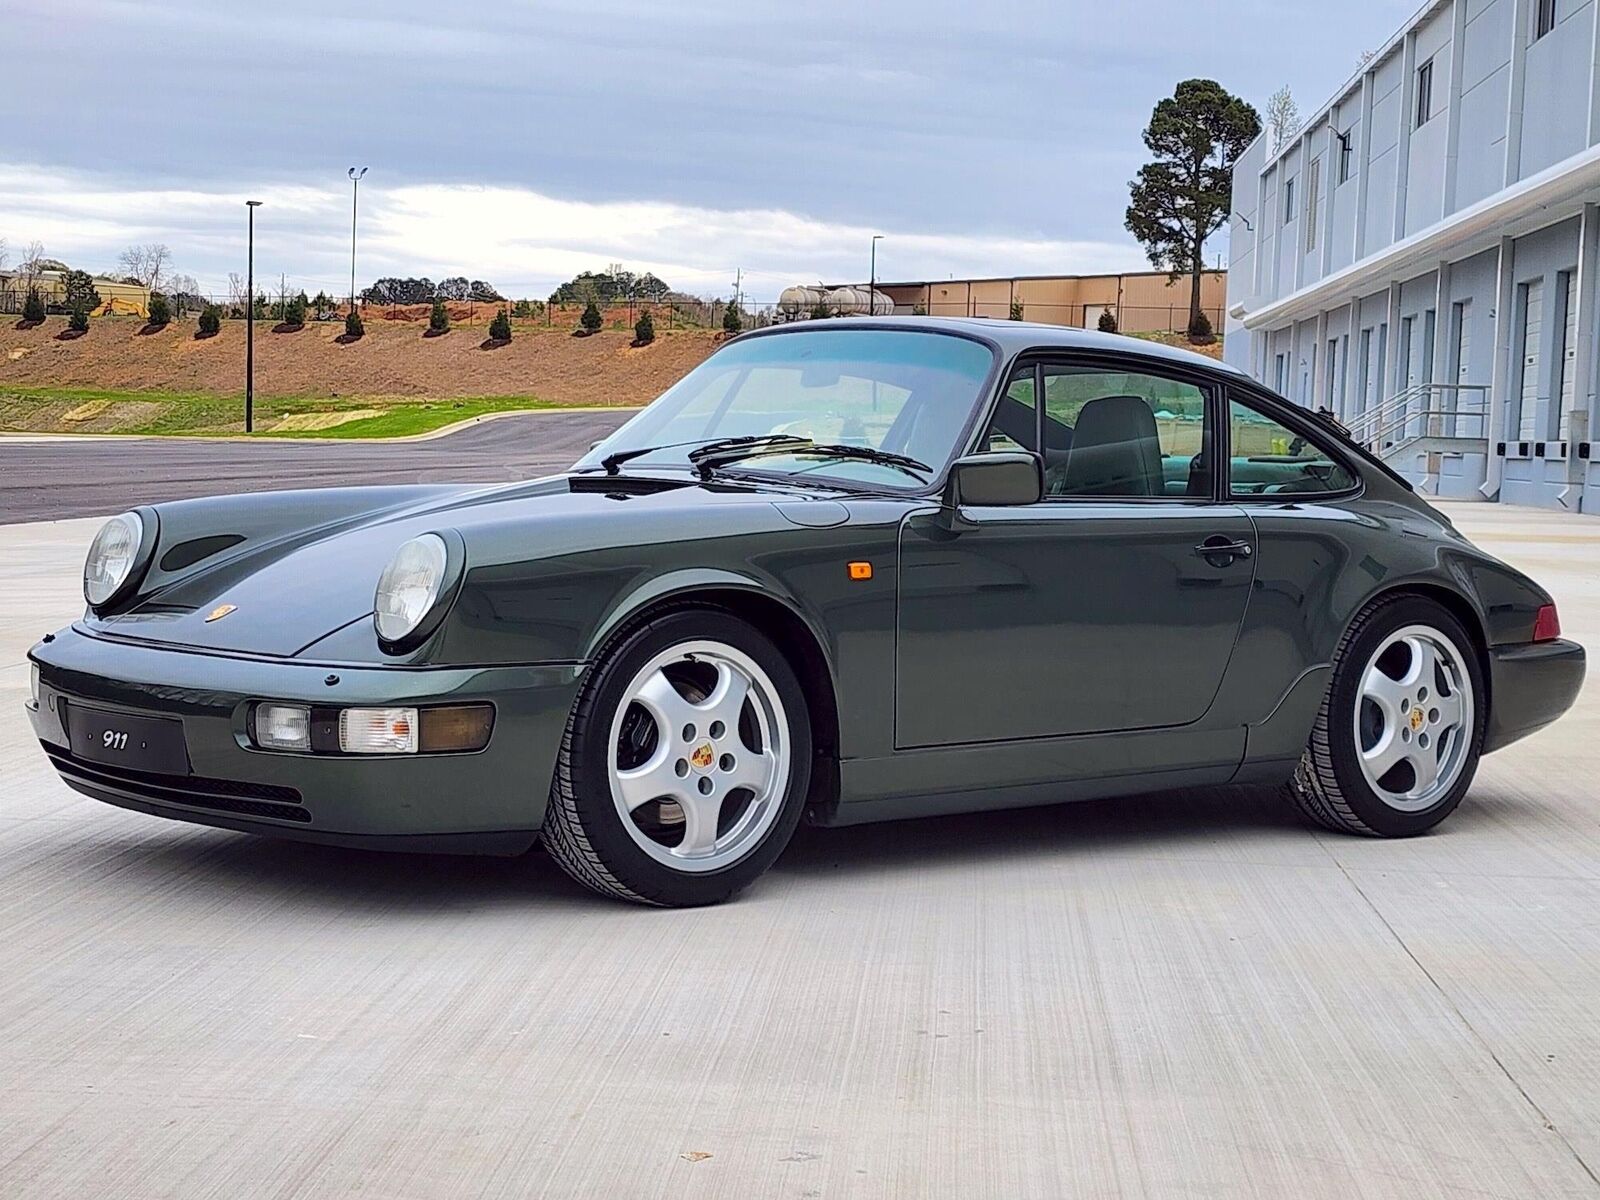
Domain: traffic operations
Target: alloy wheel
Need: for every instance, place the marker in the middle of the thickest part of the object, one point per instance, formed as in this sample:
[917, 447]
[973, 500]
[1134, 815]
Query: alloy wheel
[1414, 718]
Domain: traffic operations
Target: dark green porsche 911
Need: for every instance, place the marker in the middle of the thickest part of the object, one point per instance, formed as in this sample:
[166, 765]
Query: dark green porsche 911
[841, 572]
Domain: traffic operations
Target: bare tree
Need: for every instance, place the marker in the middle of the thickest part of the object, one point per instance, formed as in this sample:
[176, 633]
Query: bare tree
[1283, 117]
[4, 255]
[184, 292]
[31, 265]
[146, 263]
[238, 297]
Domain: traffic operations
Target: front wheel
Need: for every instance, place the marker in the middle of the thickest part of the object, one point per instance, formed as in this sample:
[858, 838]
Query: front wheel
[685, 763]
[1398, 738]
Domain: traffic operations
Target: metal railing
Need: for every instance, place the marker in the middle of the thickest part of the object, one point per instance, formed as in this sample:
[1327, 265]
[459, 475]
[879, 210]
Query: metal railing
[1434, 410]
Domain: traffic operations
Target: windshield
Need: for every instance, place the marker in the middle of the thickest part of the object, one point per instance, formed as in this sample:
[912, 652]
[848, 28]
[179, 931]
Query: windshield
[908, 392]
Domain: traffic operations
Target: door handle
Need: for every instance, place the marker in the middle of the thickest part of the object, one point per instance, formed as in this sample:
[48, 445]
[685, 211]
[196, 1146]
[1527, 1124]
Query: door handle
[1219, 547]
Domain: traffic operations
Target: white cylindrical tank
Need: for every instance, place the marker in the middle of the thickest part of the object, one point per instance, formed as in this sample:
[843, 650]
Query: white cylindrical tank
[859, 302]
[798, 301]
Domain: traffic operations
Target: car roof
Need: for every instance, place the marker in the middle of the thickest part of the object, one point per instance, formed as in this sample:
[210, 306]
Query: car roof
[1013, 337]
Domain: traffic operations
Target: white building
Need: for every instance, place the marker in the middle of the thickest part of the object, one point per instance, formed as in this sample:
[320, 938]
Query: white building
[1421, 256]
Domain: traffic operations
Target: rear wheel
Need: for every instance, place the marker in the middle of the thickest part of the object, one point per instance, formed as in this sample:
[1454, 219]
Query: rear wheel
[1397, 740]
[685, 764]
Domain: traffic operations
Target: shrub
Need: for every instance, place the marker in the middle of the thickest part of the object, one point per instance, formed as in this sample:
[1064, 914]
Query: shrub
[1016, 310]
[1200, 331]
[1107, 322]
[591, 321]
[500, 327]
[644, 329]
[79, 289]
[732, 321]
[294, 312]
[78, 322]
[210, 319]
[524, 310]
[353, 328]
[439, 318]
[33, 306]
[160, 310]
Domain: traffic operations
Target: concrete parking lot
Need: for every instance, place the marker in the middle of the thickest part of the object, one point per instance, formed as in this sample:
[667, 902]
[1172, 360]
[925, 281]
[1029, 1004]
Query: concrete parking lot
[1184, 995]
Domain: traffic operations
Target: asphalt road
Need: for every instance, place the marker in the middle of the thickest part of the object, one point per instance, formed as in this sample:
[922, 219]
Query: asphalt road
[56, 478]
[1186, 995]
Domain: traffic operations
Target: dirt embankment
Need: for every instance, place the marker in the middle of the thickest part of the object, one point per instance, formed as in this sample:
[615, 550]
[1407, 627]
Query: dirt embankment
[393, 359]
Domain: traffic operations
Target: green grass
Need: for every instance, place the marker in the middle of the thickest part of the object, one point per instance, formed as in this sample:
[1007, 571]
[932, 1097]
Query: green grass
[98, 410]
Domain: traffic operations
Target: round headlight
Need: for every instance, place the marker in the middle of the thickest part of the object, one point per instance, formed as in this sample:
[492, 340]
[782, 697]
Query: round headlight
[409, 586]
[111, 557]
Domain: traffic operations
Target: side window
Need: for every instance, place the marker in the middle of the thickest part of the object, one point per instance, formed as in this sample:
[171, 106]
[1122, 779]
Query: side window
[1015, 424]
[1123, 433]
[1268, 458]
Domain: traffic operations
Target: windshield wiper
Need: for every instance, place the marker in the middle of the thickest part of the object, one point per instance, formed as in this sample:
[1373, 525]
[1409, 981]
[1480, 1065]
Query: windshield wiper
[613, 461]
[809, 449]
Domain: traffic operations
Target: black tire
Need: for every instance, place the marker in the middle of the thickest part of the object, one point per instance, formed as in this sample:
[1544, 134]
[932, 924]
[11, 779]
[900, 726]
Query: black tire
[584, 832]
[1328, 785]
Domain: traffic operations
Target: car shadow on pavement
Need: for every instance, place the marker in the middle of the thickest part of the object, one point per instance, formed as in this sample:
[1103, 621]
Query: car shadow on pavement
[1242, 822]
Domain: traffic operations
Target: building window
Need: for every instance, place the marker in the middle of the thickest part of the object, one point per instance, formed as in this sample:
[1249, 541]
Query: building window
[1313, 186]
[1424, 93]
[1545, 21]
[1288, 200]
[1345, 155]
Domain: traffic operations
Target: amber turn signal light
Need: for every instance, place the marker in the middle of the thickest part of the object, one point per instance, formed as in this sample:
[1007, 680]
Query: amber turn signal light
[860, 570]
[455, 727]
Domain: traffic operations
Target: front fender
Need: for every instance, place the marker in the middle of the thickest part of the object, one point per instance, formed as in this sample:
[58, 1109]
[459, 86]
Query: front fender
[687, 582]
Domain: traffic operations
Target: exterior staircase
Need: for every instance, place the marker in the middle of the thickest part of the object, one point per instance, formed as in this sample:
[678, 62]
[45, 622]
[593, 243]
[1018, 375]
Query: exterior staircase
[1433, 434]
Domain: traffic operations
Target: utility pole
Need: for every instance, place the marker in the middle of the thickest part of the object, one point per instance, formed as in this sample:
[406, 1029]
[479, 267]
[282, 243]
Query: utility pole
[250, 325]
[872, 278]
[355, 191]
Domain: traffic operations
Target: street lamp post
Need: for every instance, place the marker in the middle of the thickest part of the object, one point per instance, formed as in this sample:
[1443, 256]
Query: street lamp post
[872, 280]
[250, 325]
[355, 190]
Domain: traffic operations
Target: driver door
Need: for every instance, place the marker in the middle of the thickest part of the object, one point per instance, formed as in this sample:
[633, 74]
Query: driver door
[1112, 604]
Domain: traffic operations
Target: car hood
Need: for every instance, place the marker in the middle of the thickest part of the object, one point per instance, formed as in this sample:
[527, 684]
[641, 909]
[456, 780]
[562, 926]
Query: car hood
[278, 595]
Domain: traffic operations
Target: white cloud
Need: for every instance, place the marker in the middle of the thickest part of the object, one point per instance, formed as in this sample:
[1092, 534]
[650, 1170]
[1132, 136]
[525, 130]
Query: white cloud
[521, 240]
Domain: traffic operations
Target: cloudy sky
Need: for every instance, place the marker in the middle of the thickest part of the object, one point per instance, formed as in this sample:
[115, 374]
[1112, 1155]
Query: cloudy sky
[522, 142]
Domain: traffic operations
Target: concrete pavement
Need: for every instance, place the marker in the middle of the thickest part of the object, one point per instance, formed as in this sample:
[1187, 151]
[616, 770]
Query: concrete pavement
[1185, 995]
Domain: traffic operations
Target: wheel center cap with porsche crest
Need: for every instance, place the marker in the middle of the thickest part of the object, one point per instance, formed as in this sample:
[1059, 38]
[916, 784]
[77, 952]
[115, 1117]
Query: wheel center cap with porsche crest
[702, 756]
[1416, 719]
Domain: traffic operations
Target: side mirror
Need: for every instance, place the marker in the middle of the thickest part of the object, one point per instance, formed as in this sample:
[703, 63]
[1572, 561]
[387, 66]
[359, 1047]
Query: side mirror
[994, 480]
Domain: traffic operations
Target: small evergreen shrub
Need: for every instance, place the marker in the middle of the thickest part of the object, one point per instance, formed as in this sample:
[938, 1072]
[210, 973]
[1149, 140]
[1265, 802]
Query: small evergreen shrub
[78, 322]
[1107, 323]
[439, 318]
[500, 327]
[294, 312]
[591, 321]
[210, 320]
[644, 329]
[353, 327]
[1200, 331]
[1016, 310]
[732, 320]
[160, 311]
[33, 306]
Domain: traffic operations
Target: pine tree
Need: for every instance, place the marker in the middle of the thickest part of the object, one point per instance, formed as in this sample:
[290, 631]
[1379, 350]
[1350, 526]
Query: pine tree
[33, 306]
[439, 318]
[160, 311]
[353, 327]
[500, 327]
[732, 321]
[644, 329]
[591, 319]
[210, 320]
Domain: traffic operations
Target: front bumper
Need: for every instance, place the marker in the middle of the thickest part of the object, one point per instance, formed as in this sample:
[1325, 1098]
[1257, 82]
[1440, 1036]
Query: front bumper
[1530, 686]
[491, 801]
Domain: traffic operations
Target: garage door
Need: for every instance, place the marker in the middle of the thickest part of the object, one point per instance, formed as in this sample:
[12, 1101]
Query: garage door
[1532, 322]
[1569, 351]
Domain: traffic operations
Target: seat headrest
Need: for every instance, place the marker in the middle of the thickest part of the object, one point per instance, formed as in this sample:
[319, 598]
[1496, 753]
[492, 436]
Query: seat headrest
[1116, 450]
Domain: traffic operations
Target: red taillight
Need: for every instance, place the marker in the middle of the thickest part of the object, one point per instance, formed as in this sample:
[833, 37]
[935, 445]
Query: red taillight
[1546, 626]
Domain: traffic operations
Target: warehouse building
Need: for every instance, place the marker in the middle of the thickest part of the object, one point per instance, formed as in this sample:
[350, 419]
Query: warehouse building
[1420, 257]
[1139, 301]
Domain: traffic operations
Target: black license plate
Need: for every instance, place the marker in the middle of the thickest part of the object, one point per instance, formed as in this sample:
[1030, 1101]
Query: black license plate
[139, 743]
